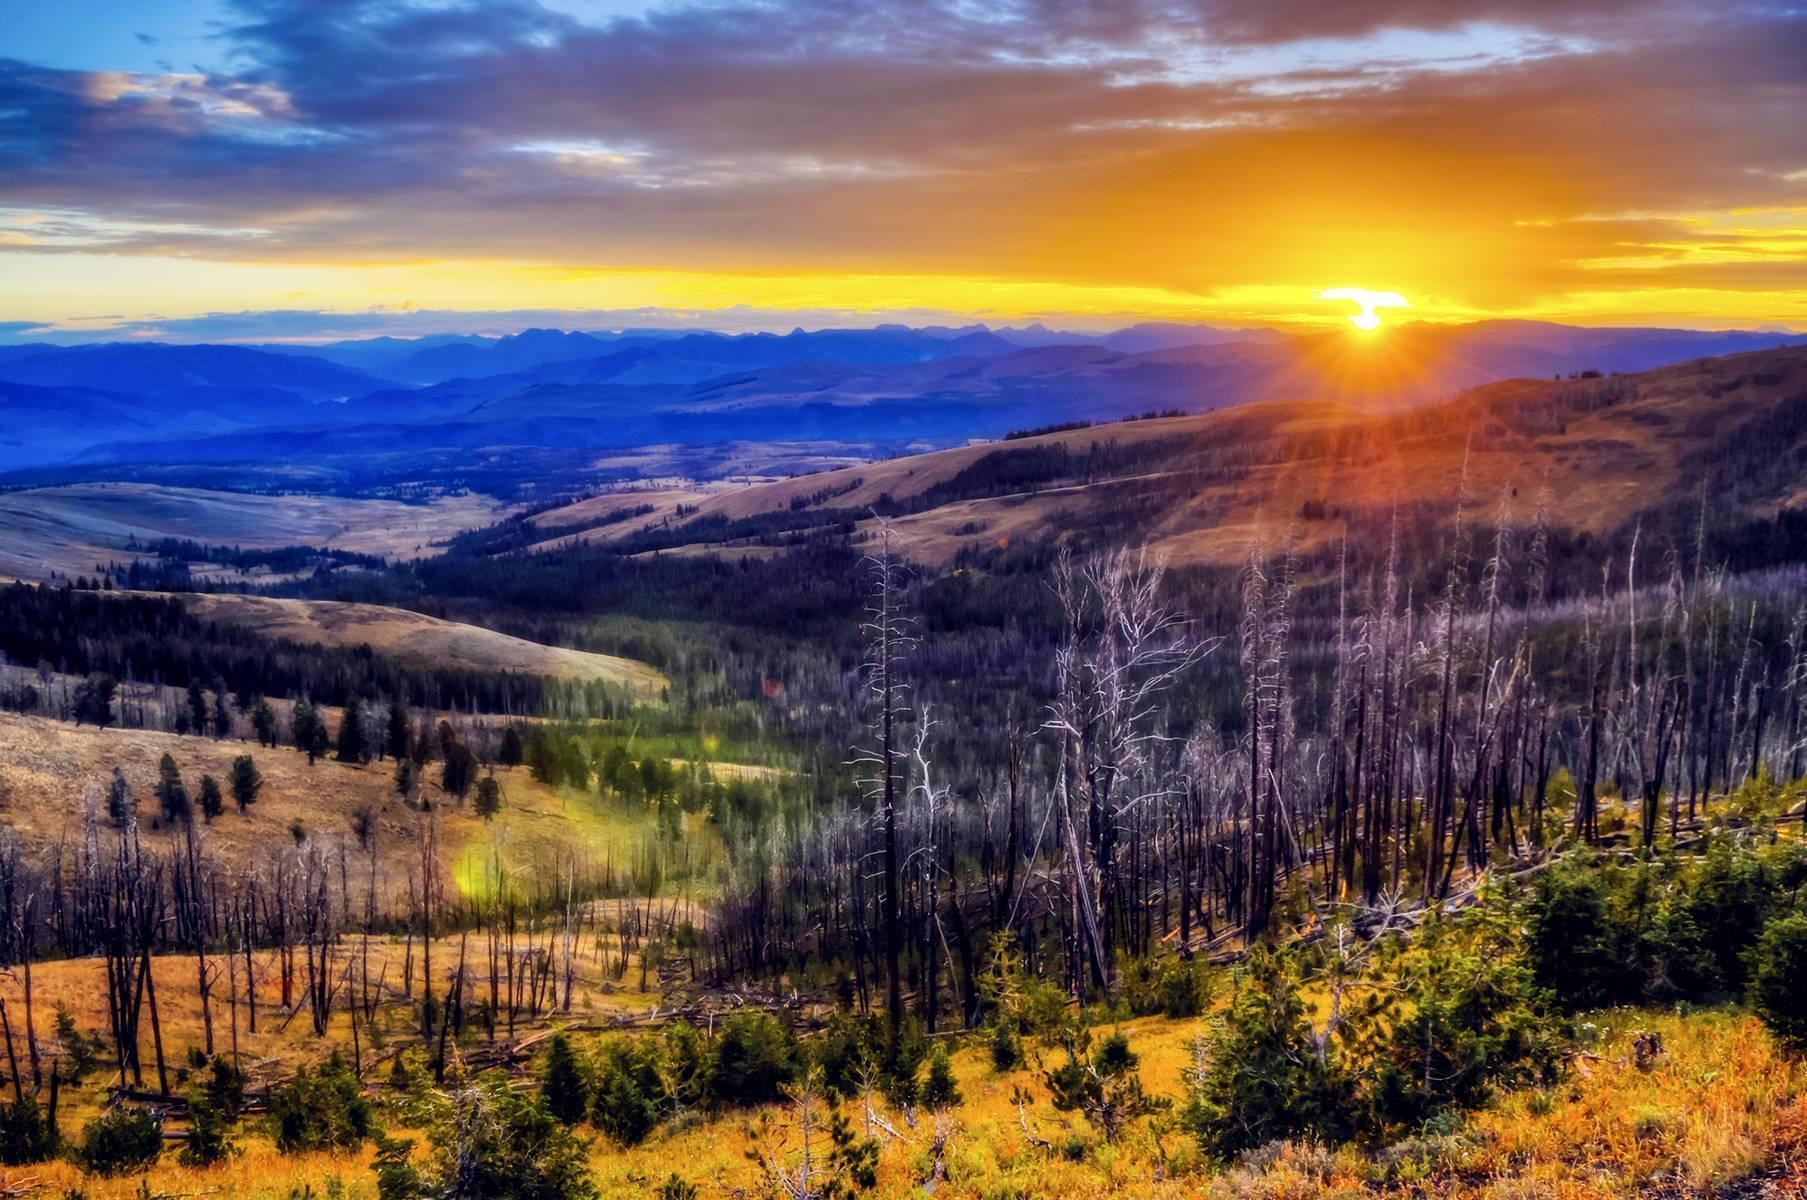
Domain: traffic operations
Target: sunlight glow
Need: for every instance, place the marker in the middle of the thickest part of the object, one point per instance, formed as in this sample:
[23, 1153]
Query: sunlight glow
[1367, 319]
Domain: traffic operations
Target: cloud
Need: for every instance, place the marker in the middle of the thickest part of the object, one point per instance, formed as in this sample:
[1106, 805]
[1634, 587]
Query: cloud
[1492, 153]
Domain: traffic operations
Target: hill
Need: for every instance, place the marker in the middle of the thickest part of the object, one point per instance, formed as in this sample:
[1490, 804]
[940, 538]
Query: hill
[413, 639]
[462, 402]
[1204, 489]
[70, 529]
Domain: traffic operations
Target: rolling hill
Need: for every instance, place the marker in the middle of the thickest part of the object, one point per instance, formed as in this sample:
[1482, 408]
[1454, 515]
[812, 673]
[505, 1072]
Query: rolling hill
[1595, 453]
[414, 639]
[145, 409]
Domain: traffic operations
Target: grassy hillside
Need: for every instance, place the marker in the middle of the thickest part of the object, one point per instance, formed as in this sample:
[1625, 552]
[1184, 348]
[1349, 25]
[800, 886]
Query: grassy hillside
[70, 529]
[1205, 489]
[50, 771]
[414, 639]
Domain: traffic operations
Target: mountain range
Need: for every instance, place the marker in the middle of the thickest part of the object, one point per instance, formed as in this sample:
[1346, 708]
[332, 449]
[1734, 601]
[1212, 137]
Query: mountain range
[88, 409]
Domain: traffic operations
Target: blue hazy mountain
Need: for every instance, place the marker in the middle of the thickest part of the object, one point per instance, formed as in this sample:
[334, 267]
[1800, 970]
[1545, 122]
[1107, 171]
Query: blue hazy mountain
[542, 388]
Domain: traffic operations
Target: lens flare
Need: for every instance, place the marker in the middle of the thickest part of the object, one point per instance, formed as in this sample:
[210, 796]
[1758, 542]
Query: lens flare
[1367, 319]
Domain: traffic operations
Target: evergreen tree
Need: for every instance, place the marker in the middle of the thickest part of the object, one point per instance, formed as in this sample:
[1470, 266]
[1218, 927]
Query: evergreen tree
[489, 797]
[460, 769]
[246, 782]
[172, 793]
[120, 802]
[197, 708]
[939, 1090]
[222, 711]
[213, 801]
[511, 753]
[397, 742]
[94, 700]
[308, 731]
[263, 722]
[351, 733]
[562, 1084]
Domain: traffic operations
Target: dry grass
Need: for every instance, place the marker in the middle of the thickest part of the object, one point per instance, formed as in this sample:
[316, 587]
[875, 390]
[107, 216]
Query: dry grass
[1715, 1108]
[48, 766]
[71, 528]
[417, 640]
[1600, 466]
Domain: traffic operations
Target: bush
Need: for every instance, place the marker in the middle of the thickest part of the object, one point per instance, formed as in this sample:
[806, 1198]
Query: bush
[1264, 1079]
[321, 1110]
[629, 1092]
[940, 1091]
[1474, 1022]
[754, 1056]
[500, 1144]
[209, 1131]
[125, 1139]
[1101, 1083]
[1778, 989]
[1006, 1048]
[563, 1087]
[26, 1135]
[1165, 985]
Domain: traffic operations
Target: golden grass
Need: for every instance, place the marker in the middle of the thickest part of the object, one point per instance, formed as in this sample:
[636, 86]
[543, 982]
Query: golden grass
[47, 766]
[418, 640]
[71, 528]
[1716, 1107]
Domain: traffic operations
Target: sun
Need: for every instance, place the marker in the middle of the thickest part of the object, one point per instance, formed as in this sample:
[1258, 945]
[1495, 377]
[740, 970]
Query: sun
[1367, 320]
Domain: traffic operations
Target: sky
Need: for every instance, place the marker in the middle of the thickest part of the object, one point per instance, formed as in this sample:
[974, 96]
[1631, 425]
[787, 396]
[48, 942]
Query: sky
[311, 168]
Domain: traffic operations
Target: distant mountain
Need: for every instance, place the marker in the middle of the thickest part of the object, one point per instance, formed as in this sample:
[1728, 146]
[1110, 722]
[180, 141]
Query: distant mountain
[39, 424]
[149, 403]
[1166, 335]
[153, 369]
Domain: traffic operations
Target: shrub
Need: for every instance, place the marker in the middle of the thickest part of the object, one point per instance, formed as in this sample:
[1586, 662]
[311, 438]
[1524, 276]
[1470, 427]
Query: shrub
[1778, 989]
[1101, 1083]
[1264, 1078]
[628, 1092]
[26, 1134]
[125, 1139]
[1474, 1021]
[1165, 985]
[209, 1131]
[323, 1109]
[1006, 1048]
[755, 1055]
[494, 1143]
[940, 1090]
[562, 1085]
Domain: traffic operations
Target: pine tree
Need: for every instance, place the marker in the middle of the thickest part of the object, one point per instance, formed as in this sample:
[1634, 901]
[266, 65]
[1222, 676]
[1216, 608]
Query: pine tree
[397, 742]
[308, 731]
[120, 802]
[197, 708]
[263, 722]
[511, 752]
[172, 793]
[246, 782]
[213, 801]
[563, 1087]
[489, 797]
[939, 1090]
[351, 732]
